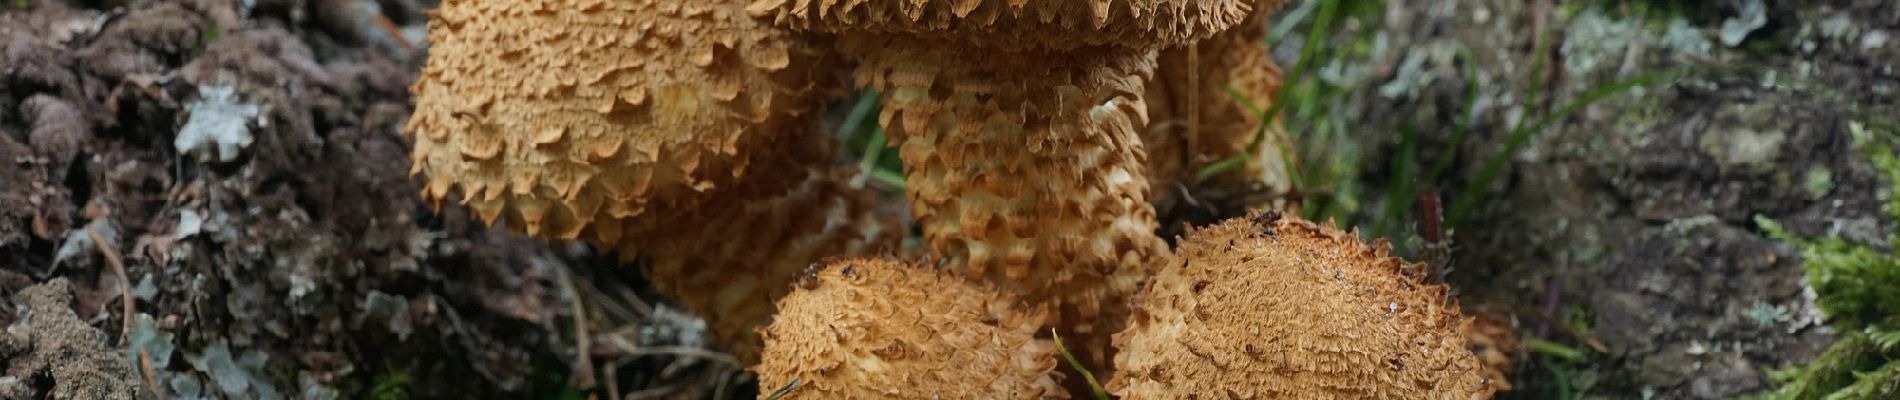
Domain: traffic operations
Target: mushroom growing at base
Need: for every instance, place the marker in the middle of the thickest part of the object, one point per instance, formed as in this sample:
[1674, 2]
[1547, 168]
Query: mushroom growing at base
[886, 329]
[1208, 103]
[1019, 125]
[732, 259]
[1278, 307]
[682, 133]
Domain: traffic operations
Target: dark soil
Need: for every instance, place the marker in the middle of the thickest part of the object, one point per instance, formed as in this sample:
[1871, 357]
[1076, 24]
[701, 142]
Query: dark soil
[243, 161]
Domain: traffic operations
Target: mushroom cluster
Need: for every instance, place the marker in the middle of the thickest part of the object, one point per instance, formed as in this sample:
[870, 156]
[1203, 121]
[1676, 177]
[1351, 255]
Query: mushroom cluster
[686, 136]
[1278, 307]
[884, 329]
[1019, 123]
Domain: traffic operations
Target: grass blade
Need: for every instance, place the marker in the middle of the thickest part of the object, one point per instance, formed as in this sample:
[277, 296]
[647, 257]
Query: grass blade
[1093, 385]
[1476, 191]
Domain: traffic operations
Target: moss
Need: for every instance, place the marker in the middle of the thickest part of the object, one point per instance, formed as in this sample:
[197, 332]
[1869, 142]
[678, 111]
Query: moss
[1832, 371]
[1818, 182]
[1880, 384]
[1858, 288]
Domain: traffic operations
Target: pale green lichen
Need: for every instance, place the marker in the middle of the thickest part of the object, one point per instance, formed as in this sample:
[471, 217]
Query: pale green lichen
[1818, 182]
[1858, 289]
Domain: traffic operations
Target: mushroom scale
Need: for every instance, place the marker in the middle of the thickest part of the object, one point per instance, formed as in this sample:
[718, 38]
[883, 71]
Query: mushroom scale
[1017, 24]
[1278, 307]
[1197, 121]
[886, 329]
[730, 260]
[1026, 169]
[558, 114]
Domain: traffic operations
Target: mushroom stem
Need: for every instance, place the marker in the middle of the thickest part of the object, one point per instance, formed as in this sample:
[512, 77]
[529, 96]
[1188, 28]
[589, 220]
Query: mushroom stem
[1025, 167]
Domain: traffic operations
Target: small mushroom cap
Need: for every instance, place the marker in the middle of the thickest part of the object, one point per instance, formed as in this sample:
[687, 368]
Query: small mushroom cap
[1049, 24]
[554, 114]
[886, 329]
[1278, 307]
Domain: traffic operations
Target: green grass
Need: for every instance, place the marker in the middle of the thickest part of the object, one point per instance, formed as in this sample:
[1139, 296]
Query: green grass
[861, 136]
[390, 385]
[1476, 191]
[1330, 151]
[1305, 107]
[1094, 385]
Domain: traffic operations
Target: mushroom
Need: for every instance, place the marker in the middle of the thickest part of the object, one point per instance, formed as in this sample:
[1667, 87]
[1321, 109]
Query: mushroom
[1496, 344]
[1277, 307]
[683, 133]
[887, 329]
[1019, 125]
[1206, 104]
[555, 114]
[731, 260]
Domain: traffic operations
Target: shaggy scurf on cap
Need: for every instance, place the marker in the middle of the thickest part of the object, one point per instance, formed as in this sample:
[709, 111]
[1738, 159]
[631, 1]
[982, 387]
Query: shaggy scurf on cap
[885, 329]
[1268, 307]
[1197, 121]
[1017, 24]
[556, 114]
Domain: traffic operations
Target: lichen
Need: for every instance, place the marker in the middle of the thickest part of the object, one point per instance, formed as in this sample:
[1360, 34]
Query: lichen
[241, 376]
[219, 127]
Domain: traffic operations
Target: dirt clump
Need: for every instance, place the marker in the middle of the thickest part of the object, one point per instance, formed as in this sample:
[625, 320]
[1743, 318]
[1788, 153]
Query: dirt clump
[50, 341]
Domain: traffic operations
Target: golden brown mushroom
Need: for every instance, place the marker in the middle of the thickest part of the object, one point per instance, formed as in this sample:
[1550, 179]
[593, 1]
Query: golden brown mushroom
[732, 259]
[1197, 121]
[885, 329]
[1019, 125]
[680, 132]
[555, 114]
[1278, 307]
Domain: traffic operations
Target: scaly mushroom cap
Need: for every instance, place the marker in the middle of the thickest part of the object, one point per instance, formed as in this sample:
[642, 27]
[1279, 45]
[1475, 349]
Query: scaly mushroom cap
[730, 260]
[1277, 307]
[1025, 170]
[1016, 24]
[555, 114]
[1197, 122]
[884, 329]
